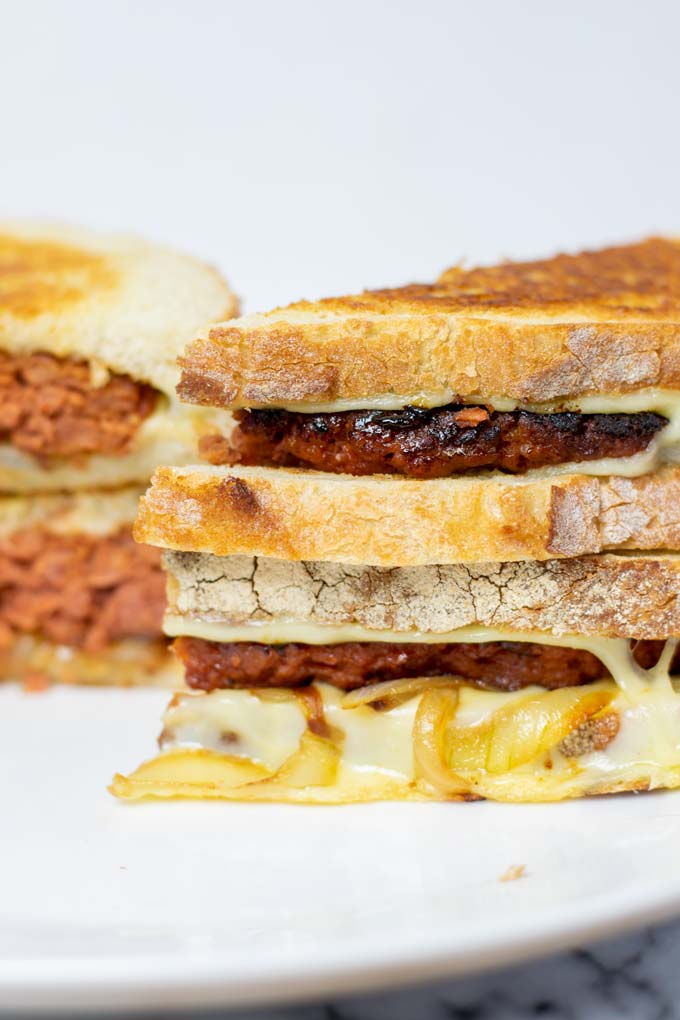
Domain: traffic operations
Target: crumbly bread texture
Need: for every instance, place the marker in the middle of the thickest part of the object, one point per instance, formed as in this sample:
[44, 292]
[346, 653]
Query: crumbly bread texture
[94, 513]
[609, 595]
[125, 304]
[602, 322]
[396, 522]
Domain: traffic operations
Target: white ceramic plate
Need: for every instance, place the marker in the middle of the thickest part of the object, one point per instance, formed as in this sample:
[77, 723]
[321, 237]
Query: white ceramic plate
[112, 906]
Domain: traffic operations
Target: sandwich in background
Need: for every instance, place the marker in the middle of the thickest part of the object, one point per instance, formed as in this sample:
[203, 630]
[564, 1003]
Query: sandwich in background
[90, 329]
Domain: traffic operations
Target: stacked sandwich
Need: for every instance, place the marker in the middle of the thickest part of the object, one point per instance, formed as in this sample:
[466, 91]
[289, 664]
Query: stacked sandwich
[436, 557]
[90, 329]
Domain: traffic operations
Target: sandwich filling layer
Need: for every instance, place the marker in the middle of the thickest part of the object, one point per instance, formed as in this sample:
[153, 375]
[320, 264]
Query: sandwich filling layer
[130, 662]
[55, 408]
[494, 665]
[78, 590]
[355, 713]
[430, 442]
[67, 424]
[428, 740]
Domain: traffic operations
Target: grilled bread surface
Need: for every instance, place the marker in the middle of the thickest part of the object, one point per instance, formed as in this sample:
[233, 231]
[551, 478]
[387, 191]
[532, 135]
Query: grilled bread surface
[537, 333]
[394, 522]
[128, 305]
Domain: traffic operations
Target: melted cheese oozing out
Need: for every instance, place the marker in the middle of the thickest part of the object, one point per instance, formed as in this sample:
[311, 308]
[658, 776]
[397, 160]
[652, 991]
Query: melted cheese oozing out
[376, 748]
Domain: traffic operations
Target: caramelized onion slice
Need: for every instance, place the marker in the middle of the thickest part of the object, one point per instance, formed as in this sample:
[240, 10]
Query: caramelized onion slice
[395, 691]
[188, 773]
[315, 763]
[518, 733]
[433, 717]
[204, 774]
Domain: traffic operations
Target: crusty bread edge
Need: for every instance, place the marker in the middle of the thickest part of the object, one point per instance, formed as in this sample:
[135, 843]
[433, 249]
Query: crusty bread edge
[394, 360]
[392, 522]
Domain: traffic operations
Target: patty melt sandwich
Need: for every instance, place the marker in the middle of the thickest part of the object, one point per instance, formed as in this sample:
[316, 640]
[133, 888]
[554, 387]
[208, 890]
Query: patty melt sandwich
[439, 554]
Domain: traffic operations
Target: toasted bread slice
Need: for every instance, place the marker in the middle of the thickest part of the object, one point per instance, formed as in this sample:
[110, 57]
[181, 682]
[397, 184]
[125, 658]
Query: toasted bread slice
[120, 302]
[240, 598]
[542, 333]
[383, 521]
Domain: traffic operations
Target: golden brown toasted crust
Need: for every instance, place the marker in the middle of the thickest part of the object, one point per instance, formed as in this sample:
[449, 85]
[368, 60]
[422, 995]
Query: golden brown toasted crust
[39, 277]
[631, 281]
[603, 322]
[122, 304]
[611, 595]
[385, 521]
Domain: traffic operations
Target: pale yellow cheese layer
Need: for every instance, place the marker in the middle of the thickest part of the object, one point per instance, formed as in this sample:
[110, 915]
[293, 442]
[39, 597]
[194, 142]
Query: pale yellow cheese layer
[207, 735]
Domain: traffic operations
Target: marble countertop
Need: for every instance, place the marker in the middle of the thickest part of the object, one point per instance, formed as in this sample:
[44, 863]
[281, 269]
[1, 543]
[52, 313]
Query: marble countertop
[636, 977]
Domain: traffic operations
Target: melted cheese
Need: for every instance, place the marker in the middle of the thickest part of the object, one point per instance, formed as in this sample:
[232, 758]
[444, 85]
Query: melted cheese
[377, 748]
[665, 402]
[235, 744]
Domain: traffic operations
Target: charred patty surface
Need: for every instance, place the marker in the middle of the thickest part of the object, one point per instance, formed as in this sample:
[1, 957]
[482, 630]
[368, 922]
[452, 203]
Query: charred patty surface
[430, 443]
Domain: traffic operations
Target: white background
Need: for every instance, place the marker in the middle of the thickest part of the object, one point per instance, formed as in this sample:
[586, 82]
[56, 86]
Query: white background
[311, 147]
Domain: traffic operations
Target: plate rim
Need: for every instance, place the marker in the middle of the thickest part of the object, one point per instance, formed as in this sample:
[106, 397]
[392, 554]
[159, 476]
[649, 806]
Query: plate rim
[110, 984]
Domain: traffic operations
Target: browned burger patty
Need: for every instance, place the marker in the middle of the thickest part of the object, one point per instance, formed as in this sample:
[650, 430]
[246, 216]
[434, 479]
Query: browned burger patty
[496, 665]
[430, 443]
[50, 408]
[83, 591]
